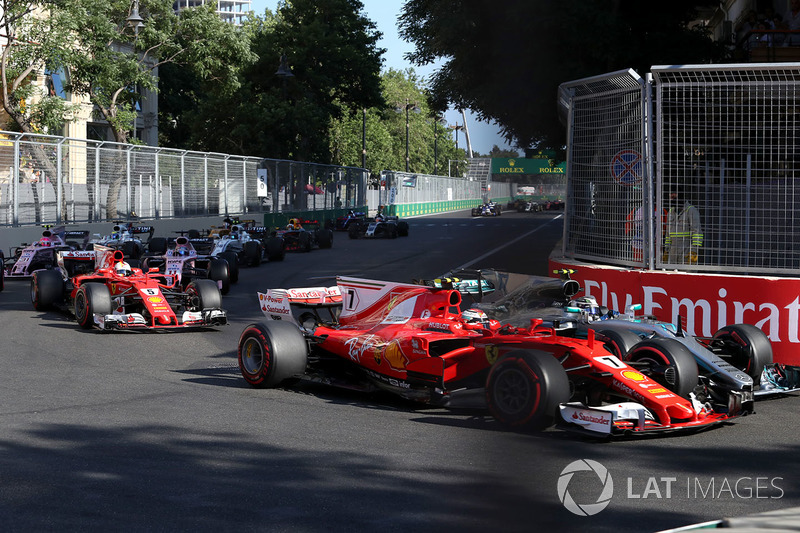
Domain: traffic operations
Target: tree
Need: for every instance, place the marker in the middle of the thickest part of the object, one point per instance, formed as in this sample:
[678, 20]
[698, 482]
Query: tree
[505, 60]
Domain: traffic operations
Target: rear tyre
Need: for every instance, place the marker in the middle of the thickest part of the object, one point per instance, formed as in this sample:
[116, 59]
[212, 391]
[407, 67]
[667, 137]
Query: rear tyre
[276, 249]
[525, 388]
[2, 275]
[233, 264]
[218, 271]
[47, 289]
[304, 241]
[204, 294]
[130, 250]
[354, 231]
[252, 251]
[324, 238]
[91, 298]
[193, 234]
[746, 347]
[669, 363]
[271, 352]
[157, 246]
[402, 228]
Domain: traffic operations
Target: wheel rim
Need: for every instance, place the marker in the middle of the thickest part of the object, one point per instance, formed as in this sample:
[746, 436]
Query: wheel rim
[253, 357]
[670, 375]
[80, 307]
[512, 391]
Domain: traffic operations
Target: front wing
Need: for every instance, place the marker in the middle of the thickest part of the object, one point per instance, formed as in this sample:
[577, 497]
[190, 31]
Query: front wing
[189, 319]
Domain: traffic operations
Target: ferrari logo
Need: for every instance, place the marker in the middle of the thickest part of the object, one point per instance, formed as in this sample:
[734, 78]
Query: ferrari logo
[492, 352]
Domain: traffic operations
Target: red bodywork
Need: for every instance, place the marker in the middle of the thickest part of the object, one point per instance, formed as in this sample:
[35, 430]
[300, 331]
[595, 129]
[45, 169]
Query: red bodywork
[411, 340]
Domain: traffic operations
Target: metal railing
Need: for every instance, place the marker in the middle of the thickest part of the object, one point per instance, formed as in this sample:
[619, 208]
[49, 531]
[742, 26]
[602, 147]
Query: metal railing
[47, 179]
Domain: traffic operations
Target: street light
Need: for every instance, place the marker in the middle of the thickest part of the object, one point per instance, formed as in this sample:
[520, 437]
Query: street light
[135, 20]
[407, 107]
[437, 120]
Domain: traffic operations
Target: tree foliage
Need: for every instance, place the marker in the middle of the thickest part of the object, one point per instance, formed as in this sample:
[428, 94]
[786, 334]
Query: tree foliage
[386, 130]
[331, 50]
[505, 60]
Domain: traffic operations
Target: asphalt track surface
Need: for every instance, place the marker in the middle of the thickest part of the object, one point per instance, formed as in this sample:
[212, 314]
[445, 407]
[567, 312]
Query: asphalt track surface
[139, 431]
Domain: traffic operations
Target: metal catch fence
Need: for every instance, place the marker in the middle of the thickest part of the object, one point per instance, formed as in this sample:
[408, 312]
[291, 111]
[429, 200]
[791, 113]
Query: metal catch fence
[46, 179]
[718, 167]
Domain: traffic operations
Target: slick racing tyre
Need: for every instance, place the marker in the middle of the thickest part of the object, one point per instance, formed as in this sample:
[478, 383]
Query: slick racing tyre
[668, 362]
[618, 341]
[271, 352]
[131, 250]
[157, 246]
[746, 347]
[2, 275]
[355, 230]
[275, 249]
[233, 264]
[525, 388]
[324, 238]
[193, 234]
[203, 294]
[304, 242]
[253, 251]
[219, 271]
[91, 298]
[402, 228]
[47, 289]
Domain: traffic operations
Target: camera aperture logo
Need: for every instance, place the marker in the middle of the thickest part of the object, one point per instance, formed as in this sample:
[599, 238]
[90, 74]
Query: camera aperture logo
[585, 509]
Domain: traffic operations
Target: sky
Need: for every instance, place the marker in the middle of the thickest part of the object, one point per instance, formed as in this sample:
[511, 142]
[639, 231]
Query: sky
[384, 14]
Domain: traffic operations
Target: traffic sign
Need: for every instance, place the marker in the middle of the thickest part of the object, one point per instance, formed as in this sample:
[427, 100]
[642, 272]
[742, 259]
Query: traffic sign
[627, 167]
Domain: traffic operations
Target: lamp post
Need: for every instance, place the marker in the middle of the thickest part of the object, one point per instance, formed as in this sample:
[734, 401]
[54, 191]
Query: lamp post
[136, 22]
[408, 107]
[437, 120]
[364, 140]
[284, 72]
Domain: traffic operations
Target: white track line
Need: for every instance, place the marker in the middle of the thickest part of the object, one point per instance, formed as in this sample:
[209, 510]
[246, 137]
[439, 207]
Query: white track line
[509, 243]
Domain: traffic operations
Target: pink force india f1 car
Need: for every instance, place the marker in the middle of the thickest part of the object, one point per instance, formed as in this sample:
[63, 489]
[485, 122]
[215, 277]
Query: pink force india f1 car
[413, 341]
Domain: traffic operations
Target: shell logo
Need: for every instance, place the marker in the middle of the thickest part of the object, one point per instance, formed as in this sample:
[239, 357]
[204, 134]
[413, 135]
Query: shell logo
[395, 356]
[155, 299]
[634, 376]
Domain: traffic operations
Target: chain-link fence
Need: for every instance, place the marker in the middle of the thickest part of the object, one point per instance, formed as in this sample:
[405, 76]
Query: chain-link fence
[46, 179]
[606, 168]
[723, 190]
[406, 188]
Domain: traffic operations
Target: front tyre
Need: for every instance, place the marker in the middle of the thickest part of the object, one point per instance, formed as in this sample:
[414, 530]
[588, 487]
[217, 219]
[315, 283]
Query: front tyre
[271, 352]
[746, 347]
[91, 299]
[203, 294]
[617, 341]
[233, 264]
[669, 362]
[218, 271]
[525, 388]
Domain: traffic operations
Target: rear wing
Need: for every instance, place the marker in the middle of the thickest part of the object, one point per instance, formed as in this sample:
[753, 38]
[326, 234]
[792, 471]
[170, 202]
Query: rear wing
[137, 230]
[278, 304]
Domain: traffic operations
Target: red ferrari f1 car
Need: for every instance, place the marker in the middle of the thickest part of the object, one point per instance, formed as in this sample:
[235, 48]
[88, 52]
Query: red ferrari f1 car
[103, 291]
[413, 341]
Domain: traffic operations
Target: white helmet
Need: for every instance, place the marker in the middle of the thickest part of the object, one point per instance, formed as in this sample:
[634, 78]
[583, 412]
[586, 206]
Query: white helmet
[122, 268]
[475, 316]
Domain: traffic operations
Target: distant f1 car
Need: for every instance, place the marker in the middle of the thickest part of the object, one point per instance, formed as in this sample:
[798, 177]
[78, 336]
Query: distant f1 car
[305, 235]
[102, 294]
[27, 258]
[382, 227]
[343, 223]
[413, 341]
[489, 209]
[125, 237]
[181, 262]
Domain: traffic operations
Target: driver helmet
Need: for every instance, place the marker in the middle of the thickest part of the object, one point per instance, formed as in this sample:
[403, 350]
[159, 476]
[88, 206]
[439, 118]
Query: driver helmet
[45, 241]
[180, 250]
[475, 316]
[294, 223]
[588, 304]
[122, 268]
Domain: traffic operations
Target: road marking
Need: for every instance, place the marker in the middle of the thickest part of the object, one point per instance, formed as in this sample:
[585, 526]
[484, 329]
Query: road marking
[509, 243]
